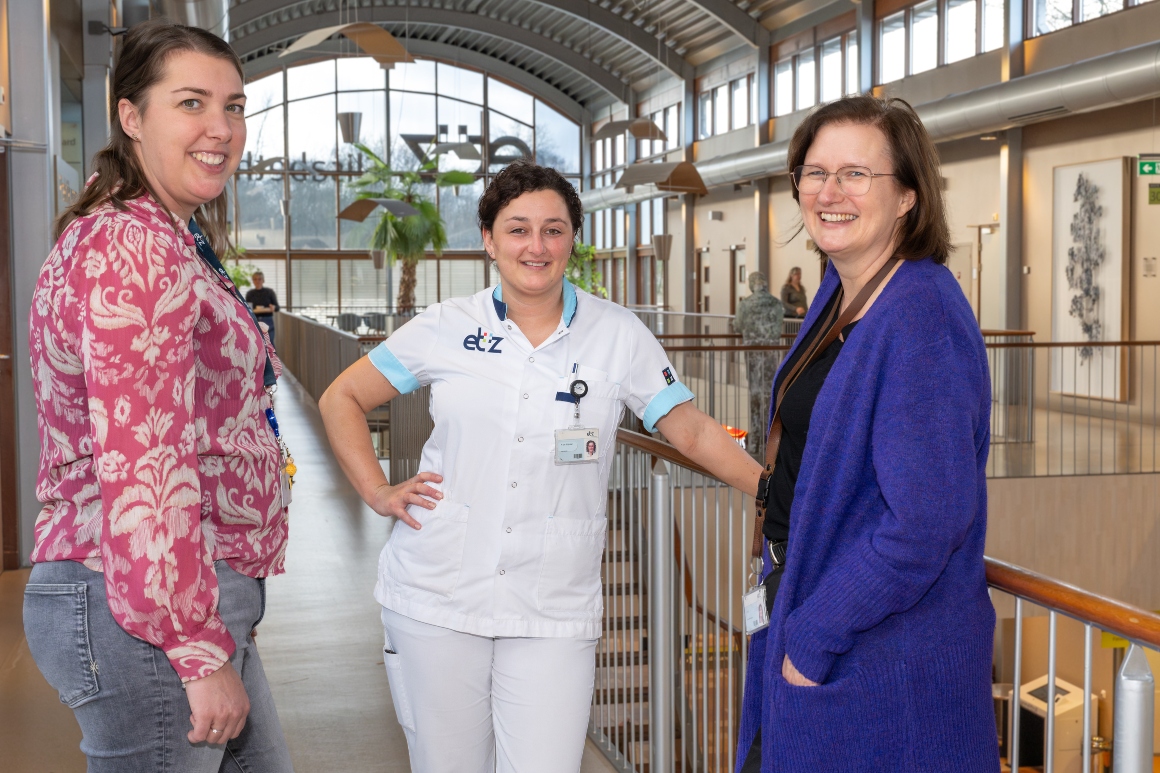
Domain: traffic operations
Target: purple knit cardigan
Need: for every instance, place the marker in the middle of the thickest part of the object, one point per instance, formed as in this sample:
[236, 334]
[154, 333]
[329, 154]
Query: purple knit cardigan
[884, 600]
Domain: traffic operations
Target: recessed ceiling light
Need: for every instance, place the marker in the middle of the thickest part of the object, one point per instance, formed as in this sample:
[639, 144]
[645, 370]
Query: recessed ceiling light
[988, 137]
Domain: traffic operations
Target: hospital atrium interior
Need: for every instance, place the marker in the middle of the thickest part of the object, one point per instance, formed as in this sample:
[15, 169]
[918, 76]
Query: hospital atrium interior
[673, 121]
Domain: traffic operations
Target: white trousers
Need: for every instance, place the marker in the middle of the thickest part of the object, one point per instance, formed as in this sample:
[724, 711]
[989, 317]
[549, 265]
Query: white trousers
[472, 704]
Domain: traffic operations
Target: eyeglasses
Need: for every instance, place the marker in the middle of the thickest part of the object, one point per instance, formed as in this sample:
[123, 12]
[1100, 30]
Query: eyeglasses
[853, 180]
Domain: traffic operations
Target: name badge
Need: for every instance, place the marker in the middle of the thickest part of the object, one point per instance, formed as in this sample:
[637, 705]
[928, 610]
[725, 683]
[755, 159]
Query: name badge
[753, 605]
[577, 445]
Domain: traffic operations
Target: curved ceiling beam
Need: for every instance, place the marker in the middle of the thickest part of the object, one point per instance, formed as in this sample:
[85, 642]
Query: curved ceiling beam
[736, 20]
[606, 21]
[436, 50]
[277, 32]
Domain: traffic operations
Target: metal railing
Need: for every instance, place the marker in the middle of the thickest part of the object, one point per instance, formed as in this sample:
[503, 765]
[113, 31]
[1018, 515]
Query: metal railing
[670, 664]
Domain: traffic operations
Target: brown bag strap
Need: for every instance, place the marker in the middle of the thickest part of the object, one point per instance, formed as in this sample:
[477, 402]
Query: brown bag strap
[833, 329]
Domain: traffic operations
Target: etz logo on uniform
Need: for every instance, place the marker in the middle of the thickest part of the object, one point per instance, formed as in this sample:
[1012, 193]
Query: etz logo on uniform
[482, 341]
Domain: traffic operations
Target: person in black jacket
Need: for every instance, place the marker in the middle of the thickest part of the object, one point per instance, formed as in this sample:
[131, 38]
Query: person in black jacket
[264, 301]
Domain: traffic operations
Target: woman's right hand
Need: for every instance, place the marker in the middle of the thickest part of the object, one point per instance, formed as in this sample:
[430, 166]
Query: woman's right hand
[391, 500]
[218, 706]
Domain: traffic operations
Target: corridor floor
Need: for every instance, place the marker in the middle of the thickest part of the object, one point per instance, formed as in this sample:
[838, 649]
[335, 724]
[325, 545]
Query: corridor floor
[321, 641]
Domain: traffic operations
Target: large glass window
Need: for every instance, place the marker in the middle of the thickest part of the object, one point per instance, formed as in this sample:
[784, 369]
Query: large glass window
[961, 29]
[892, 62]
[993, 12]
[831, 75]
[721, 109]
[853, 70]
[807, 77]
[924, 37]
[705, 115]
[740, 98]
[783, 87]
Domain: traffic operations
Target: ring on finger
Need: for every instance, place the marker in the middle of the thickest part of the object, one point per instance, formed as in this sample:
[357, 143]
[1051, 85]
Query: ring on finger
[214, 730]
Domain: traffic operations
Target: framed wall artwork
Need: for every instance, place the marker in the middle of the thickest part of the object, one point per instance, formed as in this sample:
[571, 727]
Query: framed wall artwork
[1090, 275]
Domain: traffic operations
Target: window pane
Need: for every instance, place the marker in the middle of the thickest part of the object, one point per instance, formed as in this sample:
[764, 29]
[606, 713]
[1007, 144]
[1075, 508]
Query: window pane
[721, 109]
[993, 11]
[557, 140]
[363, 287]
[783, 87]
[459, 216]
[960, 29]
[372, 105]
[264, 137]
[312, 213]
[315, 285]
[807, 80]
[360, 73]
[618, 227]
[460, 83]
[893, 64]
[853, 71]
[313, 132]
[510, 140]
[1093, 9]
[464, 122]
[705, 115]
[263, 93]
[414, 76]
[260, 225]
[924, 37]
[412, 127]
[598, 162]
[673, 126]
[645, 220]
[309, 80]
[619, 156]
[831, 70]
[740, 90]
[354, 236]
[513, 102]
[1051, 15]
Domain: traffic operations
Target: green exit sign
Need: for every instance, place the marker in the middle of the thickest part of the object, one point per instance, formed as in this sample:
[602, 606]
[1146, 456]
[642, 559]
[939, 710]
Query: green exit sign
[1151, 166]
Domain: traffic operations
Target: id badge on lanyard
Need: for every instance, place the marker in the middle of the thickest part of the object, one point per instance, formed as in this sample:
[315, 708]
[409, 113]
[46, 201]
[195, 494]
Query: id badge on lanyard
[755, 612]
[577, 444]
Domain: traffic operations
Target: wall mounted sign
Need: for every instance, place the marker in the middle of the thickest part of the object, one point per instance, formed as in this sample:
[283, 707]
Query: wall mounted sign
[1153, 193]
[1148, 166]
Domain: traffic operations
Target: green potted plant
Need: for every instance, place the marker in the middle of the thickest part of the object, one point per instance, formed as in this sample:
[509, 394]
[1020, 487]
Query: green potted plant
[407, 238]
[582, 271]
[239, 272]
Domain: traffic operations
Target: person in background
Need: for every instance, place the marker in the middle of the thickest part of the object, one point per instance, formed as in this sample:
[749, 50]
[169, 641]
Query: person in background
[793, 294]
[877, 656]
[264, 301]
[164, 505]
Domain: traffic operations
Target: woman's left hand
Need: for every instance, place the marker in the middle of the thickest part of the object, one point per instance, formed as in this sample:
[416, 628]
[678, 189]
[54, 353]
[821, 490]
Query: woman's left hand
[793, 676]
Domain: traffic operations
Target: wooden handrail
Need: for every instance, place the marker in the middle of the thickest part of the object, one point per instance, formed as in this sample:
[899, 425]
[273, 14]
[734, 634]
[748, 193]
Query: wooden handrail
[1105, 613]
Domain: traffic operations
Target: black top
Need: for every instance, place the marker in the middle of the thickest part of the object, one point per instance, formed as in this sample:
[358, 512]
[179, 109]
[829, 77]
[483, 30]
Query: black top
[796, 410]
[263, 297]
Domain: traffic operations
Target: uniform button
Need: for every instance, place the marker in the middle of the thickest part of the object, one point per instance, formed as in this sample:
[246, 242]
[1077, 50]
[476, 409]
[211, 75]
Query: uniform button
[513, 484]
[509, 327]
[509, 530]
[525, 395]
[531, 359]
[501, 571]
[520, 439]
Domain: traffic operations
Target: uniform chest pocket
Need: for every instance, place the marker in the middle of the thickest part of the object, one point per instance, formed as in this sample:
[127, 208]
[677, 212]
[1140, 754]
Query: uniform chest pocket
[570, 573]
[429, 559]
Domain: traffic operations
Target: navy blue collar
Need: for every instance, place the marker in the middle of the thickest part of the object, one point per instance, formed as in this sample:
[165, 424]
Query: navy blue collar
[569, 303]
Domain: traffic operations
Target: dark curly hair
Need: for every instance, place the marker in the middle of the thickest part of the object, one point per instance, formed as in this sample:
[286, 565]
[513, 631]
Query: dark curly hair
[523, 176]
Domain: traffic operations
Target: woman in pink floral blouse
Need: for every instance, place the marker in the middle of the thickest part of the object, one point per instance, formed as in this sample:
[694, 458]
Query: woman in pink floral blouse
[160, 468]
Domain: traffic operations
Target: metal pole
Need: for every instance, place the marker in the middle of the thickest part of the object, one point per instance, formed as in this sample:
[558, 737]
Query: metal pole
[1135, 713]
[661, 669]
[1049, 755]
[1016, 692]
[1086, 738]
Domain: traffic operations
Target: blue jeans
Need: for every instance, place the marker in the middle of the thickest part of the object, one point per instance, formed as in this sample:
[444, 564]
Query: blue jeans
[126, 696]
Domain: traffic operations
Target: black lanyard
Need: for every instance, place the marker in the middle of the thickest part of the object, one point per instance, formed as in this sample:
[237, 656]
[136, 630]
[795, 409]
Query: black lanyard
[206, 253]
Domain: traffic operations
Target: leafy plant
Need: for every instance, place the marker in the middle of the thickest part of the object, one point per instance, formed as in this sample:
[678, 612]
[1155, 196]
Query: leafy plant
[582, 271]
[239, 272]
[407, 238]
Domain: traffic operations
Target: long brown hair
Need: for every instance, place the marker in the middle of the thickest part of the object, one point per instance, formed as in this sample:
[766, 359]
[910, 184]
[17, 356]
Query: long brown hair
[141, 64]
[924, 231]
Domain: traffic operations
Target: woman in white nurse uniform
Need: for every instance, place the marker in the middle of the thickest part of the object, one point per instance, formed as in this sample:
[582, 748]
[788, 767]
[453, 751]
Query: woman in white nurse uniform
[490, 586]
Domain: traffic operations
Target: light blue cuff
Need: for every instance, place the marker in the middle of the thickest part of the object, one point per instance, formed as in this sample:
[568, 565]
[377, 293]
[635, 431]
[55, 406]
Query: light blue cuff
[388, 364]
[666, 400]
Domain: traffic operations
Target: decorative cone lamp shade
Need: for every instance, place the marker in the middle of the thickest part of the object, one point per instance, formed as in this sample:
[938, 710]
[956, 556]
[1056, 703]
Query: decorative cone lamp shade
[378, 258]
[672, 177]
[662, 245]
[374, 41]
[640, 128]
[349, 125]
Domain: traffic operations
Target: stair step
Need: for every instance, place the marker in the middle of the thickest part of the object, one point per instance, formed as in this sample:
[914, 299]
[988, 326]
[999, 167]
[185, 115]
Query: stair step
[622, 589]
[607, 659]
[634, 623]
[618, 556]
[621, 695]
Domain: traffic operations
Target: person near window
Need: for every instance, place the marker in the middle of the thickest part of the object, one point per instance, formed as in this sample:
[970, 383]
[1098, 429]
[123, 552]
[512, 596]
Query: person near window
[161, 469]
[490, 582]
[263, 301]
[878, 651]
[793, 294]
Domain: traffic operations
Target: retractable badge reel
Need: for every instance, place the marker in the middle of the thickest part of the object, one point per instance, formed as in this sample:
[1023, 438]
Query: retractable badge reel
[577, 444]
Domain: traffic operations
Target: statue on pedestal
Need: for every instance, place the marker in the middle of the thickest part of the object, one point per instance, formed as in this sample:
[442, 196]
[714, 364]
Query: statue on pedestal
[759, 321]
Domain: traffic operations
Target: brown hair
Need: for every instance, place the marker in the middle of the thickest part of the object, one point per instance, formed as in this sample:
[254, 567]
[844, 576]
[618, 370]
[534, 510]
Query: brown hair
[923, 231]
[520, 177]
[795, 270]
[141, 64]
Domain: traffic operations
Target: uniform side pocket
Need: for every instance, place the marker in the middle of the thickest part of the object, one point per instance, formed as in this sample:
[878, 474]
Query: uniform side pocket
[570, 573]
[56, 624]
[429, 559]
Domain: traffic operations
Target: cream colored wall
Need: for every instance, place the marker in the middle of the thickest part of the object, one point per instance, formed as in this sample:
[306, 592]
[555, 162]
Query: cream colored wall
[737, 226]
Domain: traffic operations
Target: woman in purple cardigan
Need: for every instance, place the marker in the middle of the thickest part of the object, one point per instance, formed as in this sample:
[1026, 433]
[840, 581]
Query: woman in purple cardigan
[878, 652]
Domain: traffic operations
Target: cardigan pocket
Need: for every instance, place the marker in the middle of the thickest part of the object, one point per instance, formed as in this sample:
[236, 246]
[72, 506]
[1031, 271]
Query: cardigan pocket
[429, 559]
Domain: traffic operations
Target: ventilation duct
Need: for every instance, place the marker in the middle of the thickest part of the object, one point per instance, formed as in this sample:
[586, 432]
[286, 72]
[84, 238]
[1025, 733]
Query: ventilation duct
[212, 15]
[1105, 81]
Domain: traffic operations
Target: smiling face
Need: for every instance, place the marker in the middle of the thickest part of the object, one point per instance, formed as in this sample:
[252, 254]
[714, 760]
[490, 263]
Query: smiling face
[854, 227]
[190, 131]
[531, 242]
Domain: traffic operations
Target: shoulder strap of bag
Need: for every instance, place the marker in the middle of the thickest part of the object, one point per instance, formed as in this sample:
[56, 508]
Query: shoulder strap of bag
[817, 348]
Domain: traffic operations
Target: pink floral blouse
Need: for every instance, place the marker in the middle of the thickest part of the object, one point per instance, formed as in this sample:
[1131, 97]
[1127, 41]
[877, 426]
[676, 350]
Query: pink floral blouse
[156, 457]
